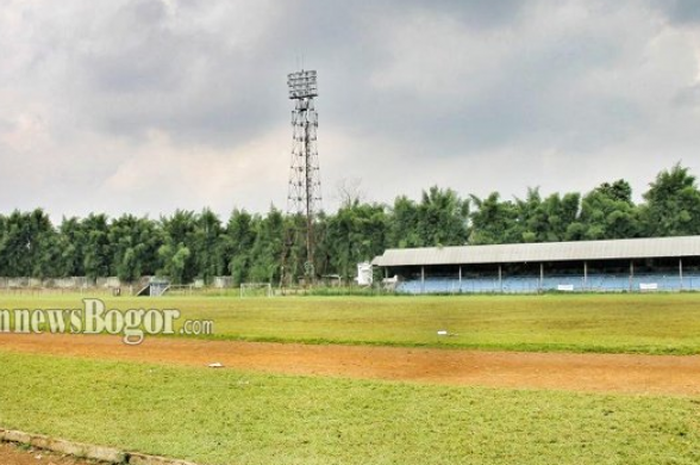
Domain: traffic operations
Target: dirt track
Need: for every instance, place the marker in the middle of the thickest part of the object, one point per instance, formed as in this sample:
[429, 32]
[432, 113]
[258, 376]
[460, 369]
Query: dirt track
[578, 372]
[12, 455]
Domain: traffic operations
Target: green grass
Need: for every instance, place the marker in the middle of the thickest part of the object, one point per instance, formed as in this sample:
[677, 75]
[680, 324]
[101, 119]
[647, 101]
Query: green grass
[653, 324]
[227, 417]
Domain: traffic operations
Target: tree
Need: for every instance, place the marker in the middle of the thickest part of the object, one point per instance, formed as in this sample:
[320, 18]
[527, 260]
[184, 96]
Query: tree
[237, 243]
[561, 211]
[187, 245]
[672, 204]
[174, 259]
[493, 221]
[70, 242]
[3, 246]
[403, 226]
[96, 252]
[177, 261]
[442, 217]
[267, 248]
[207, 245]
[134, 243]
[356, 233]
[29, 246]
[607, 212]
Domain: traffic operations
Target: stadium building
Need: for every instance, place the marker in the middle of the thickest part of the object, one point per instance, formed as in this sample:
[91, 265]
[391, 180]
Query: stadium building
[626, 265]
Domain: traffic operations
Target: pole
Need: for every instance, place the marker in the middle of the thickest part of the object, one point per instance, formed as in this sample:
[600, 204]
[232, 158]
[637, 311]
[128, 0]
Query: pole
[422, 279]
[309, 194]
[631, 274]
[541, 275]
[460, 278]
[500, 278]
[680, 271]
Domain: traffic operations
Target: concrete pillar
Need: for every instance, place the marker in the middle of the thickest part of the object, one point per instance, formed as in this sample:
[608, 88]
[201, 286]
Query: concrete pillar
[500, 278]
[631, 273]
[422, 279]
[541, 276]
[680, 271]
[460, 278]
[585, 275]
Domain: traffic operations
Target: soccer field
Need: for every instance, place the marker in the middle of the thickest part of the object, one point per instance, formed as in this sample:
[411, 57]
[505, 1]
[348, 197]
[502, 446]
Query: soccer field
[232, 416]
[620, 323]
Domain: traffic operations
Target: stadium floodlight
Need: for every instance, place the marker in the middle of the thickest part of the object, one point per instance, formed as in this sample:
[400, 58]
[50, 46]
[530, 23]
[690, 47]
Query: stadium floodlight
[304, 195]
[302, 85]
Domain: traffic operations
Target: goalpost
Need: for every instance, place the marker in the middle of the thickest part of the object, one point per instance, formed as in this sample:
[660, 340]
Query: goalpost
[256, 290]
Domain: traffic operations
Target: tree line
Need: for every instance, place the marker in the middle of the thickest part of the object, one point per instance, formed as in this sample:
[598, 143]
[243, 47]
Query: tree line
[257, 247]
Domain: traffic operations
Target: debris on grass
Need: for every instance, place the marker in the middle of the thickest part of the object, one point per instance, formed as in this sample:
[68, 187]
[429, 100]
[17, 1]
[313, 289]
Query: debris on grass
[444, 332]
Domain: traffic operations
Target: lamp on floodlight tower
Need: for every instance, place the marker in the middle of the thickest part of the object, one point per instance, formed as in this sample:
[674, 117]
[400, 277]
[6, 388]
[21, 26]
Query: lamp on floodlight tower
[304, 193]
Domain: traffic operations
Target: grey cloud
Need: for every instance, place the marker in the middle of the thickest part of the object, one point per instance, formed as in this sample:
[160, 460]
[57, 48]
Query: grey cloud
[534, 95]
[458, 83]
[688, 97]
[189, 85]
[476, 13]
[680, 11]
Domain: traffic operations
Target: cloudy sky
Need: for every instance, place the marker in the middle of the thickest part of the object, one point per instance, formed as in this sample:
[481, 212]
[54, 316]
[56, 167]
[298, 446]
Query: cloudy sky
[146, 106]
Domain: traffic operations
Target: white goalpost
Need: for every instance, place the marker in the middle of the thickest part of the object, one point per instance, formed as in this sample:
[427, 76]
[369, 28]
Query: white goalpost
[256, 290]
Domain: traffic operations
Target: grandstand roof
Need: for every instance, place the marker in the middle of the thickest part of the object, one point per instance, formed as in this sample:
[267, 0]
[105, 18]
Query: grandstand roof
[686, 246]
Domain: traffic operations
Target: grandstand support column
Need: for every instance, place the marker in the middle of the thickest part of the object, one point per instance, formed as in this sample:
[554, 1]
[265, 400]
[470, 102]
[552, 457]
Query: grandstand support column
[500, 278]
[541, 275]
[460, 278]
[631, 273]
[422, 279]
[680, 271]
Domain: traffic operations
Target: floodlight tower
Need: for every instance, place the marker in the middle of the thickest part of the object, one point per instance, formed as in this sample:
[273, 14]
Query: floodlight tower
[304, 194]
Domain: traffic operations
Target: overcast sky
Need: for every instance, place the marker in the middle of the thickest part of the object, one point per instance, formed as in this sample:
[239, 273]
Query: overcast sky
[146, 106]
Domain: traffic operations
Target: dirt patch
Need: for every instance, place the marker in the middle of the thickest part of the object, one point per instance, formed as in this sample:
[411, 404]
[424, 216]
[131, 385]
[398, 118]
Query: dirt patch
[11, 454]
[646, 374]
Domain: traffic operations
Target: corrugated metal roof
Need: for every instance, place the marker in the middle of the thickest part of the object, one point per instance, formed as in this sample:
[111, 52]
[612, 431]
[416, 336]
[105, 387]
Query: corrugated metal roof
[686, 246]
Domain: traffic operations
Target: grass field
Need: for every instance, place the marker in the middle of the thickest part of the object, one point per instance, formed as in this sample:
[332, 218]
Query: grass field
[228, 417]
[653, 324]
[217, 417]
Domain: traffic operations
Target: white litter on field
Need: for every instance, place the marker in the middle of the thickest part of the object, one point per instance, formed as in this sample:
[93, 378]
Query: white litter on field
[216, 365]
[444, 332]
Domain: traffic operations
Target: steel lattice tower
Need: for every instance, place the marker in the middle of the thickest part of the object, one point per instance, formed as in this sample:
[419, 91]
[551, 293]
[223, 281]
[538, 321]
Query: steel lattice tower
[304, 194]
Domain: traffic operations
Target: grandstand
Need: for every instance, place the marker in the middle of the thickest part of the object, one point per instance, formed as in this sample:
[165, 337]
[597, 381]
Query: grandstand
[625, 265]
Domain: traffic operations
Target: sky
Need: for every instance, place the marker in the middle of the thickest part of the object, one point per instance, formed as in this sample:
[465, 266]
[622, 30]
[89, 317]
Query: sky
[147, 106]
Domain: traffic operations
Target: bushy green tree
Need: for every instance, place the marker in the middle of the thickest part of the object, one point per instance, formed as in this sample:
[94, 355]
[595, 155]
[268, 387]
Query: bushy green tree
[493, 221]
[440, 219]
[403, 228]
[356, 233]
[607, 212]
[237, 242]
[253, 247]
[29, 247]
[134, 243]
[175, 254]
[267, 249]
[208, 245]
[96, 252]
[672, 204]
[70, 243]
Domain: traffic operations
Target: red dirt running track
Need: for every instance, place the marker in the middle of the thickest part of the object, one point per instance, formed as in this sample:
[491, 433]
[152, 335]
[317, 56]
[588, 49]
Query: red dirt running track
[646, 374]
[12, 455]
